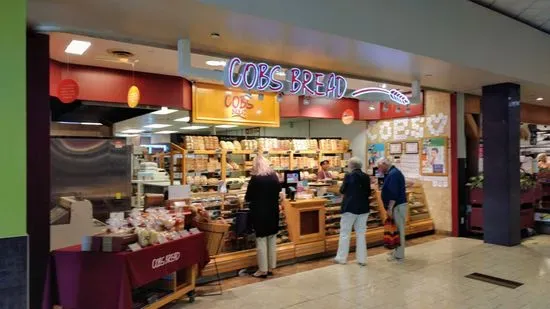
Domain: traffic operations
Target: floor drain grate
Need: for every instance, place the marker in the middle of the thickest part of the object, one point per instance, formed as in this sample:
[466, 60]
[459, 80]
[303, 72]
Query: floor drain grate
[495, 280]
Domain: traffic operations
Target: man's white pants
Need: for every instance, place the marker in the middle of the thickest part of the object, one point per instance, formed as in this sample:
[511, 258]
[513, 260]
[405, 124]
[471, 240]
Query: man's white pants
[266, 250]
[400, 218]
[359, 223]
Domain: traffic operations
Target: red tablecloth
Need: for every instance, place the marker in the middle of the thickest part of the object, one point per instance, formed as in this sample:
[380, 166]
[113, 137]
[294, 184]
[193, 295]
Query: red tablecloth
[94, 280]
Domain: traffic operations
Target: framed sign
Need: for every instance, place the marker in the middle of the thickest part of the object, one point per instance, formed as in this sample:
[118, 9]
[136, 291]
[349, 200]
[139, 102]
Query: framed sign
[396, 148]
[433, 160]
[411, 147]
[217, 105]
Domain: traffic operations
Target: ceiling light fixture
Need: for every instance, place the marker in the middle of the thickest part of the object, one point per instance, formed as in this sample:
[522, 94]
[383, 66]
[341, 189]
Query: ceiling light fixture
[126, 135]
[131, 131]
[81, 123]
[372, 107]
[215, 35]
[384, 86]
[228, 92]
[184, 119]
[77, 47]
[540, 99]
[156, 126]
[164, 111]
[259, 111]
[385, 107]
[194, 128]
[226, 126]
[279, 97]
[165, 132]
[216, 63]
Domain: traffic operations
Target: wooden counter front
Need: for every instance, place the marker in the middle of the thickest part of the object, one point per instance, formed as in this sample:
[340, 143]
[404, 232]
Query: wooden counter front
[306, 225]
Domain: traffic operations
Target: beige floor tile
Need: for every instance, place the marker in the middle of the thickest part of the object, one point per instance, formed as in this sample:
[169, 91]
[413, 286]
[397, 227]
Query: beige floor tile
[431, 277]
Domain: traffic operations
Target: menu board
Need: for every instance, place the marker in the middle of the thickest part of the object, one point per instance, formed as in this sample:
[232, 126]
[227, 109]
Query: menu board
[433, 159]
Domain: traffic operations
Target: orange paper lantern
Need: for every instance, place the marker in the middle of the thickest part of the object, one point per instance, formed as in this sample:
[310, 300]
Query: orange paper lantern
[348, 116]
[133, 96]
[67, 90]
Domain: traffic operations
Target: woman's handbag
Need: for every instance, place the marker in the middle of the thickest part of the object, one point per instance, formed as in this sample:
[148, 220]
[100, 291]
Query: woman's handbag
[391, 234]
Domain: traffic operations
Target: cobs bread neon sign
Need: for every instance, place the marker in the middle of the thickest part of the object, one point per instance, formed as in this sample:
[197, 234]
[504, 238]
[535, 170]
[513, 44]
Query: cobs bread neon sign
[262, 77]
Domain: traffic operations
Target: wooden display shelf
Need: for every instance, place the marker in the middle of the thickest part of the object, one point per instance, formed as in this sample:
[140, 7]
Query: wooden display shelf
[240, 152]
[180, 289]
[310, 248]
[234, 261]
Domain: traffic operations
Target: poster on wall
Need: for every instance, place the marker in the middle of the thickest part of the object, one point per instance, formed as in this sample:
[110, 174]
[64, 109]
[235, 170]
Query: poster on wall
[374, 152]
[433, 160]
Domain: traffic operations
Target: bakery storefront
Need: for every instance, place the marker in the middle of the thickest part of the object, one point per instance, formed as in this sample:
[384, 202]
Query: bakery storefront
[189, 164]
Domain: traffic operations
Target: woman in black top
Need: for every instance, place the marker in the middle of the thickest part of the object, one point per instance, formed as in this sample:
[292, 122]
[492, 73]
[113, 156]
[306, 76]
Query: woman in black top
[355, 212]
[262, 195]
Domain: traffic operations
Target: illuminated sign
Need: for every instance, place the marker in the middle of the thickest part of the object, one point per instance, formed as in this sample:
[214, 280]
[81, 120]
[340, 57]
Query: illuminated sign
[239, 105]
[394, 94]
[261, 77]
[214, 104]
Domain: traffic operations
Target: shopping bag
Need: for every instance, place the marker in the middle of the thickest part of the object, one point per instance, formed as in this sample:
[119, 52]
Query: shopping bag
[391, 234]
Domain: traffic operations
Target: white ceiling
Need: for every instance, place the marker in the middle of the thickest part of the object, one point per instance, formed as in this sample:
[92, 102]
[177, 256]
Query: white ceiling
[256, 38]
[150, 59]
[533, 12]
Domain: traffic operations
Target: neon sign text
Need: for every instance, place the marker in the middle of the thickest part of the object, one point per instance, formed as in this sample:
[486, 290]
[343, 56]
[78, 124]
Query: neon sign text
[394, 94]
[261, 77]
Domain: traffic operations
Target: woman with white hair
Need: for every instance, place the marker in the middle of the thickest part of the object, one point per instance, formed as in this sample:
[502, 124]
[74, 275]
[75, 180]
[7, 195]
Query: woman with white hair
[355, 212]
[262, 195]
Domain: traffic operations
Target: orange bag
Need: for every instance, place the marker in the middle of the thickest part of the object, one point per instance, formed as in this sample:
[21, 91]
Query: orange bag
[391, 234]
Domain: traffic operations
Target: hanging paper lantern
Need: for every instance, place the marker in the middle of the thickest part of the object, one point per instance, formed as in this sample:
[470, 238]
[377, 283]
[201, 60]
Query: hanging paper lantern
[348, 116]
[67, 91]
[133, 96]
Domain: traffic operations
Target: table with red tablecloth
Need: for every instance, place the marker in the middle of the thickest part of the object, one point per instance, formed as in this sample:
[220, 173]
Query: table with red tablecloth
[82, 280]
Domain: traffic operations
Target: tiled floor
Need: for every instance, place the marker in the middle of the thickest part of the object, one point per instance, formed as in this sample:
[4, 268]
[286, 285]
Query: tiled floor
[431, 277]
[312, 264]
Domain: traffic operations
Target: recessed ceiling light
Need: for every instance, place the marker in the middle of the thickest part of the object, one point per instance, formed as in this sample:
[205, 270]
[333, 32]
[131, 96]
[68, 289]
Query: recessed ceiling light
[184, 119]
[194, 128]
[540, 99]
[131, 131]
[215, 35]
[165, 132]
[156, 126]
[372, 107]
[384, 86]
[77, 47]
[259, 111]
[226, 126]
[216, 63]
[126, 135]
[164, 111]
[81, 123]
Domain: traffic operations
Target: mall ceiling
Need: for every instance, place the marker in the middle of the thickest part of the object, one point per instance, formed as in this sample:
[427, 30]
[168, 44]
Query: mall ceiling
[265, 30]
[535, 13]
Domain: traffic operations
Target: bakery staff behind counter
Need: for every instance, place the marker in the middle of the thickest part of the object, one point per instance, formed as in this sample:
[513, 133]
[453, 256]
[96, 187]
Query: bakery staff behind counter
[323, 173]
